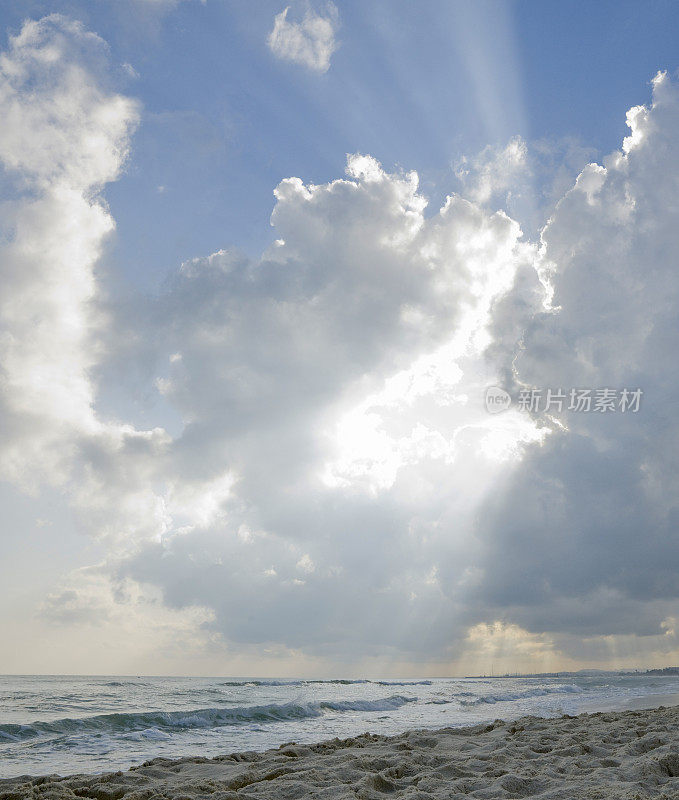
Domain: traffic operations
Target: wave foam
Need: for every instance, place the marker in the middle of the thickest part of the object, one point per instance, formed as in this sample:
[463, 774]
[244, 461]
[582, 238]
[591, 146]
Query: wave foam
[195, 718]
[512, 696]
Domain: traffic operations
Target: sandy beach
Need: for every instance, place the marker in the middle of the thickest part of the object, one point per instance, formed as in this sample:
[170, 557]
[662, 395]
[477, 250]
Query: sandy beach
[630, 754]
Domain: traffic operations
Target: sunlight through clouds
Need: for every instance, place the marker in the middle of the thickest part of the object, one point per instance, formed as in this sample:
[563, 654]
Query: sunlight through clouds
[332, 484]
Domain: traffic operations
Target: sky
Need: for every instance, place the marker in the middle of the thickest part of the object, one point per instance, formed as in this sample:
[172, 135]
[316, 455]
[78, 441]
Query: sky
[260, 266]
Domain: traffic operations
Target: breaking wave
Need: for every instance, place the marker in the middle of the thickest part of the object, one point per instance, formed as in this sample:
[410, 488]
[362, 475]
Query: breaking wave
[198, 718]
[335, 682]
[404, 683]
[469, 699]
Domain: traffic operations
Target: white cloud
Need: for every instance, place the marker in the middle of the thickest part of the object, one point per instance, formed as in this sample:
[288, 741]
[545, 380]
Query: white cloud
[310, 42]
[66, 133]
[580, 536]
[359, 286]
[572, 543]
[62, 138]
[526, 179]
[337, 489]
[493, 171]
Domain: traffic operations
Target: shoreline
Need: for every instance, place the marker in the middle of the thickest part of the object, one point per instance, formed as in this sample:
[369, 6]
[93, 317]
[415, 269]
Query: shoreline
[615, 754]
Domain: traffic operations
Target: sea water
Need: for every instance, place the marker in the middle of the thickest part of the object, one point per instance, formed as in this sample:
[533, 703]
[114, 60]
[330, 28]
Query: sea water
[57, 724]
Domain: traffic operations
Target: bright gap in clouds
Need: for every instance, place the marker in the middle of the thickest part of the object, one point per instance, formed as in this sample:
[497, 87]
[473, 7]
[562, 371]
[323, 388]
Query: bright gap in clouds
[337, 496]
[445, 386]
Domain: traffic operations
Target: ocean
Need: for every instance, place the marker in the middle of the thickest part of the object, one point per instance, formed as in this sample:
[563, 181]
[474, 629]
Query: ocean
[67, 724]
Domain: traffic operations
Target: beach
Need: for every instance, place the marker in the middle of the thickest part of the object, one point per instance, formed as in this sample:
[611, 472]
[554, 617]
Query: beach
[68, 725]
[630, 755]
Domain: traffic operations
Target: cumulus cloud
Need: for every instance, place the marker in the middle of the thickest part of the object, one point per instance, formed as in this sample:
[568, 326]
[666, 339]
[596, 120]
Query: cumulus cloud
[572, 541]
[63, 137]
[310, 42]
[238, 510]
[580, 537]
[337, 489]
[526, 179]
[358, 287]
[493, 171]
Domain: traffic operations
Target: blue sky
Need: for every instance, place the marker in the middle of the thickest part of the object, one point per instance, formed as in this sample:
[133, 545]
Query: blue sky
[224, 121]
[276, 457]
[400, 89]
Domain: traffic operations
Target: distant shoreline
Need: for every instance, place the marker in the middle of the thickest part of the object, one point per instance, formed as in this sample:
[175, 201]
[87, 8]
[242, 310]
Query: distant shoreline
[604, 754]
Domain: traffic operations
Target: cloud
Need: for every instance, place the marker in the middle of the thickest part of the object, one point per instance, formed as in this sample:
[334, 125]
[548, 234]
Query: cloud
[572, 541]
[526, 179]
[252, 507]
[579, 538]
[63, 137]
[310, 42]
[359, 286]
[337, 490]
[493, 171]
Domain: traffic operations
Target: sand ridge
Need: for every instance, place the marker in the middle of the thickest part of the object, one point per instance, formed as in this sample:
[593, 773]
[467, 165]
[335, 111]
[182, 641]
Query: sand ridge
[630, 755]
